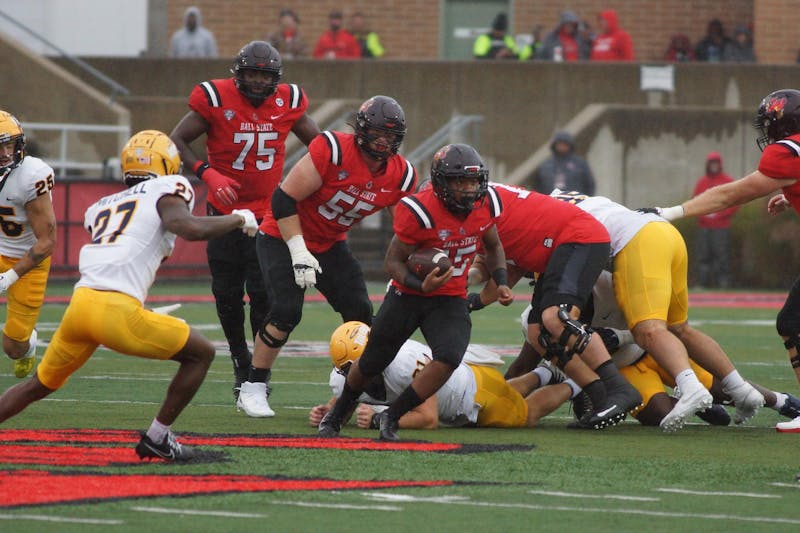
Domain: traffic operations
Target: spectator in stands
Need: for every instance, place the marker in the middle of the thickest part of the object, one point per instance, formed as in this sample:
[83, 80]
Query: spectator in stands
[564, 170]
[337, 43]
[565, 43]
[287, 39]
[680, 49]
[711, 47]
[532, 49]
[496, 44]
[612, 43]
[368, 40]
[740, 48]
[712, 245]
[193, 40]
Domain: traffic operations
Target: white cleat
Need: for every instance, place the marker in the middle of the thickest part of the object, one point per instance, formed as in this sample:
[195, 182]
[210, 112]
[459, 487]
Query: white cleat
[688, 404]
[792, 426]
[253, 400]
[747, 400]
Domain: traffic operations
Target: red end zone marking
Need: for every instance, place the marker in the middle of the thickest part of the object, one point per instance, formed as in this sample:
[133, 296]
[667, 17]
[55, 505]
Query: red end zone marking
[33, 487]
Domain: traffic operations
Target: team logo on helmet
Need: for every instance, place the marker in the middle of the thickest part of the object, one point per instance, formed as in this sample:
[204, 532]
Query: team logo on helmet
[776, 106]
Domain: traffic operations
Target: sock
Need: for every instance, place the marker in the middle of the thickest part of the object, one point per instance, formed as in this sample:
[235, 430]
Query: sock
[731, 381]
[157, 431]
[345, 403]
[241, 361]
[545, 375]
[687, 381]
[259, 375]
[407, 400]
[612, 379]
[780, 401]
[574, 386]
[597, 393]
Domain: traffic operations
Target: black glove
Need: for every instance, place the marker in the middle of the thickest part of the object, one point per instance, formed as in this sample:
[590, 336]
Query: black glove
[610, 338]
[649, 210]
[474, 302]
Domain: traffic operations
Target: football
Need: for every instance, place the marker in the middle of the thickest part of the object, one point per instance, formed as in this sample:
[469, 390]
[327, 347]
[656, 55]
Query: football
[423, 260]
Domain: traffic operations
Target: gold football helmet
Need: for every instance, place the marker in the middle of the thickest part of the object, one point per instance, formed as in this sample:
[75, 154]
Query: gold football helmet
[11, 131]
[348, 342]
[147, 155]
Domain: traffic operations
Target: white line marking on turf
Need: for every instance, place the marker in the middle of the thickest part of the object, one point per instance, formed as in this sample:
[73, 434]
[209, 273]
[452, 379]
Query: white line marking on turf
[718, 493]
[41, 518]
[600, 496]
[790, 485]
[340, 506]
[226, 514]
[458, 500]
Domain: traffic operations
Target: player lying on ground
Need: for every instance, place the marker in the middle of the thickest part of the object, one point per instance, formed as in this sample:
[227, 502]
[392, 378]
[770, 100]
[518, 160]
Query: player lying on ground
[476, 394]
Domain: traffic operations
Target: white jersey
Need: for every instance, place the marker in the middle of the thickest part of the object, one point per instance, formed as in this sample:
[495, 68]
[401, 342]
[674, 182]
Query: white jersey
[129, 241]
[607, 314]
[456, 398]
[32, 178]
[621, 223]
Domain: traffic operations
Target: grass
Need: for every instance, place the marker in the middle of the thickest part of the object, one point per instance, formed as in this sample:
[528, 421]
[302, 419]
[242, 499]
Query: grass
[629, 478]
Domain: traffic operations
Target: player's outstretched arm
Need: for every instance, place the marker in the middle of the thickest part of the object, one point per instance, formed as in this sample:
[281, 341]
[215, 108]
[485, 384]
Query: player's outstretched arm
[177, 219]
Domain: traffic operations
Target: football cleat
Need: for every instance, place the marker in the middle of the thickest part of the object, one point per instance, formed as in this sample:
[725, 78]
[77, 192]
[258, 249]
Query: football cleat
[25, 365]
[747, 401]
[329, 427]
[689, 403]
[388, 427]
[610, 416]
[792, 426]
[716, 415]
[253, 400]
[169, 449]
[791, 408]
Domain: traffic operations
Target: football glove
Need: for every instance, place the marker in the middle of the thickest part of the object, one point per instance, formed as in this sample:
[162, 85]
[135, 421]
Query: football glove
[305, 265]
[249, 224]
[7, 279]
[220, 187]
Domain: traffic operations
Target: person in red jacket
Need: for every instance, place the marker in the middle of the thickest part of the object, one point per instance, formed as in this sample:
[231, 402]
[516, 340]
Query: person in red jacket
[712, 244]
[611, 43]
[337, 43]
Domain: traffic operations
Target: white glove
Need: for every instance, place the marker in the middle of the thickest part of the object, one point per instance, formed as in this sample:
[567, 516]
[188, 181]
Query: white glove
[249, 225]
[7, 279]
[304, 263]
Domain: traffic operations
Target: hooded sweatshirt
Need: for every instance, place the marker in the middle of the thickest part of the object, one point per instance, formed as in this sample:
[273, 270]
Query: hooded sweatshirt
[720, 219]
[567, 172]
[613, 45]
[197, 43]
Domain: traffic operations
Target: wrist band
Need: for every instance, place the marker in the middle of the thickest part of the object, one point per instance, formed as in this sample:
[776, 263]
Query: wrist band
[199, 167]
[474, 302]
[500, 276]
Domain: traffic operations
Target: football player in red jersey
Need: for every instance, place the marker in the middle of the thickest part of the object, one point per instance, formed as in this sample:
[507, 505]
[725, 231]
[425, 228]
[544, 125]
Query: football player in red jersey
[302, 239]
[569, 248]
[455, 214]
[246, 120]
[778, 120]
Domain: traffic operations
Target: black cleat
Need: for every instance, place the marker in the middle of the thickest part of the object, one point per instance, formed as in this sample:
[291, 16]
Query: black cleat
[790, 409]
[610, 416]
[388, 427]
[169, 450]
[329, 427]
[716, 415]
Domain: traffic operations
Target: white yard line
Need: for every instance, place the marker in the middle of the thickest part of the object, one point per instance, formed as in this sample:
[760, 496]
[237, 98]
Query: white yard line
[225, 514]
[718, 493]
[597, 496]
[62, 519]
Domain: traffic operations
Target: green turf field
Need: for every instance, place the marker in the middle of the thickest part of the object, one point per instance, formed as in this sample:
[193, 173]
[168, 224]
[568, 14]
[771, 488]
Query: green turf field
[627, 478]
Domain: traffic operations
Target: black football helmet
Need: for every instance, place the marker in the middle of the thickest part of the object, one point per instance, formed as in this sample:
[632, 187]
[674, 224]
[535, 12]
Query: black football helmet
[778, 116]
[383, 114]
[458, 161]
[261, 56]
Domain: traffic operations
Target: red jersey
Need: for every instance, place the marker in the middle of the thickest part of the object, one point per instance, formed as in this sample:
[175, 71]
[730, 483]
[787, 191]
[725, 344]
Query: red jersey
[246, 143]
[781, 160]
[533, 225]
[349, 191]
[423, 220]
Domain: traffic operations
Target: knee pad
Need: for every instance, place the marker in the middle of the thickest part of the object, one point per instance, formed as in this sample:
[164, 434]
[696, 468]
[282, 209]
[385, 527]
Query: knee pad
[554, 350]
[271, 340]
[573, 327]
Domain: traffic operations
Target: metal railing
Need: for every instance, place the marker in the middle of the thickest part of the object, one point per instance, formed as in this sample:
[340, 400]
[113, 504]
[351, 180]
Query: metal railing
[460, 128]
[61, 163]
[116, 88]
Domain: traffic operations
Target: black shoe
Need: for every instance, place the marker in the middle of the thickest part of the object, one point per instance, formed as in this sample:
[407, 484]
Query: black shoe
[790, 409]
[716, 415]
[329, 427]
[581, 404]
[169, 450]
[388, 427]
[610, 416]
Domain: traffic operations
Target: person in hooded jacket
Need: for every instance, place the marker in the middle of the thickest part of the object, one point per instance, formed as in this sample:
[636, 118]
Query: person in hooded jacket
[612, 43]
[566, 42]
[740, 48]
[564, 170]
[193, 40]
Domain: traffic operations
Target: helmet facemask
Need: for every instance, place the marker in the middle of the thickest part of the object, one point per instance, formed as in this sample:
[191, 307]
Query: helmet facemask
[380, 127]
